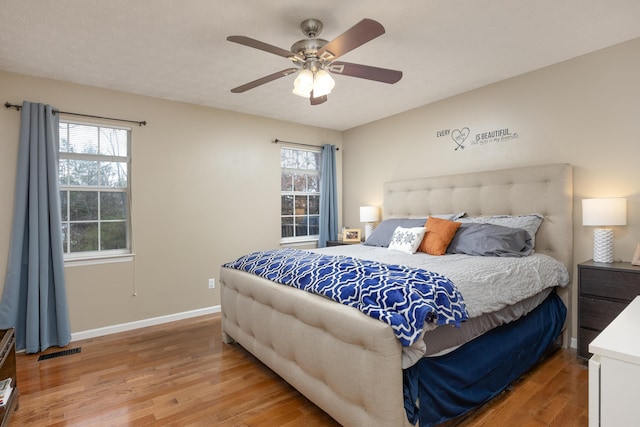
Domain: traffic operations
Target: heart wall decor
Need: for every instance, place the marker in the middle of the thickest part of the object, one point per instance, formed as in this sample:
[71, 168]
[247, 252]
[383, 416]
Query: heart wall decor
[459, 136]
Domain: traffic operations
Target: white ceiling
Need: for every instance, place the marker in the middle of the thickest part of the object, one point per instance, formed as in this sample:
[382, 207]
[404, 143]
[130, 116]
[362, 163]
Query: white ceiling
[178, 49]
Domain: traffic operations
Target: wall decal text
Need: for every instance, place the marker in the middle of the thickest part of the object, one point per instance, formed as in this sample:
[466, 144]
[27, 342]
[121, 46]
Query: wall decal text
[498, 135]
[459, 136]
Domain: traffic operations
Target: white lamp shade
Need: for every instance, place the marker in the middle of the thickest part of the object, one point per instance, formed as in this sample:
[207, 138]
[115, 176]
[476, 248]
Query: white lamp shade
[602, 212]
[369, 214]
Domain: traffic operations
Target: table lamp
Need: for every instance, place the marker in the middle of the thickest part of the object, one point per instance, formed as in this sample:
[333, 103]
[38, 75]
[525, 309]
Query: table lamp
[602, 213]
[369, 215]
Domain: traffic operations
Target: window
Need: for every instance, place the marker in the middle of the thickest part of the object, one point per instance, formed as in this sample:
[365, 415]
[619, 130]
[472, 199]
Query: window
[300, 194]
[93, 170]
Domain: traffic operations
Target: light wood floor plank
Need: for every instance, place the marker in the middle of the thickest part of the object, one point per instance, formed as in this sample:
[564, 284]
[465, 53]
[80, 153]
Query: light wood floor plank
[181, 374]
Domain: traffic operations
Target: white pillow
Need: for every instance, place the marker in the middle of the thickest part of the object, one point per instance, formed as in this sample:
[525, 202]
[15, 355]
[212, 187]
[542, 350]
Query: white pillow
[407, 239]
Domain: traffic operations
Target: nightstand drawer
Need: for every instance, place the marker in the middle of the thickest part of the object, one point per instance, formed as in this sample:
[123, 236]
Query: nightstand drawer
[597, 313]
[609, 283]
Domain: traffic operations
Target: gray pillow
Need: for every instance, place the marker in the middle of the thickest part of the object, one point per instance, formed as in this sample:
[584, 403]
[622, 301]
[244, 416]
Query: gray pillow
[484, 239]
[381, 235]
[530, 222]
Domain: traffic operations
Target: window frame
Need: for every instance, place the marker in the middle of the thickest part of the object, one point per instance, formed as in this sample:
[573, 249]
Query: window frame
[106, 255]
[304, 238]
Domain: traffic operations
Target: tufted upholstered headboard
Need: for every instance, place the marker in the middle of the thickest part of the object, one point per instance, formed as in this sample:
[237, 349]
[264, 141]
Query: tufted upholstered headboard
[546, 189]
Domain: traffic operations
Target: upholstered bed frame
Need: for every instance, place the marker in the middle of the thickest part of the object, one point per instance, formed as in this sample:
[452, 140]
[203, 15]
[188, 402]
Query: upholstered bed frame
[348, 363]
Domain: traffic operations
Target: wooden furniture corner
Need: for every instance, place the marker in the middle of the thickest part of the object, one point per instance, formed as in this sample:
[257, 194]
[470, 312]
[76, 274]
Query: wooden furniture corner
[8, 370]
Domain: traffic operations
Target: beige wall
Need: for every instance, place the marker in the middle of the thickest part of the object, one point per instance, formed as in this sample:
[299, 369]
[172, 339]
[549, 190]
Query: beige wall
[205, 186]
[584, 112]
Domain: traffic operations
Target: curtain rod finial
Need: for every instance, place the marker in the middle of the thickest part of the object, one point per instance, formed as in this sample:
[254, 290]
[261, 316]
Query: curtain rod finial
[9, 105]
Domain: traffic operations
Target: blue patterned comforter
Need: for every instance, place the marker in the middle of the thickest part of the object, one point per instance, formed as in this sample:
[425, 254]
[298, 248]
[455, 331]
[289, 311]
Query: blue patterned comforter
[403, 297]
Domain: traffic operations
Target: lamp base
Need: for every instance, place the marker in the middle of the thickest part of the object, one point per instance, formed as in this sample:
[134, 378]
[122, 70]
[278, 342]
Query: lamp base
[368, 229]
[603, 245]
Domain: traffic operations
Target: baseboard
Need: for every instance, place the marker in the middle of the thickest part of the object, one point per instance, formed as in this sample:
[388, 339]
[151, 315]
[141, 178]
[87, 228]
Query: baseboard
[123, 327]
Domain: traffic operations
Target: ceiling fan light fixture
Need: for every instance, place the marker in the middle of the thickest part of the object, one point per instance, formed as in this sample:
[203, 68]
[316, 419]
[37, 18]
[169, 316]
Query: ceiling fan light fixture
[303, 84]
[323, 83]
[320, 83]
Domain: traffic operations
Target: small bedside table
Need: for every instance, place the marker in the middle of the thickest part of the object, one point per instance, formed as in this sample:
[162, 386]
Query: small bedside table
[340, 243]
[604, 290]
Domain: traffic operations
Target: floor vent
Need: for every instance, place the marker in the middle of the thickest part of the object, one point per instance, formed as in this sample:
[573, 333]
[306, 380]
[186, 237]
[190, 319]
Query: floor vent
[59, 353]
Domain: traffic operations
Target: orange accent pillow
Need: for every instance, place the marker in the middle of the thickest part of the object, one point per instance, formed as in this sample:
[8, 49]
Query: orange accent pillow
[439, 234]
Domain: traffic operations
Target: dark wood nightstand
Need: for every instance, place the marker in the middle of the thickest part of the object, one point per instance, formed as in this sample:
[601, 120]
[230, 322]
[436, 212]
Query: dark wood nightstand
[8, 370]
[604, 290]
[340, 243]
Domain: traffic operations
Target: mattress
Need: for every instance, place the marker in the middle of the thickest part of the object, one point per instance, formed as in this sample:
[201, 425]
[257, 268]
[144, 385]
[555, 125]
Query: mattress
[442, 340]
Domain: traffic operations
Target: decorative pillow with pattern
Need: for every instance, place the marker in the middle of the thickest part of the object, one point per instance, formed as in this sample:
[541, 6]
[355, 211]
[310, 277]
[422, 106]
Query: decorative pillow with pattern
[406, 239]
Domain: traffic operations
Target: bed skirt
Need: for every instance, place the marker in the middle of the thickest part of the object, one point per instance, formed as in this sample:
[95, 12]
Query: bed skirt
[449, 386]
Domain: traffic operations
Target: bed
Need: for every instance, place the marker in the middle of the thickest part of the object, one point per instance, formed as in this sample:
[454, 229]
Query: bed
[354, 366]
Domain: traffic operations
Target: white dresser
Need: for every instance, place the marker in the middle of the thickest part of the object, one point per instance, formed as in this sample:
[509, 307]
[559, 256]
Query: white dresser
[614, 371]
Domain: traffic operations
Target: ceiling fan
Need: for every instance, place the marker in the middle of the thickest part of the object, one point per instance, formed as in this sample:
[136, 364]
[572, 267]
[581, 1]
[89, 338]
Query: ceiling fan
[315, 59]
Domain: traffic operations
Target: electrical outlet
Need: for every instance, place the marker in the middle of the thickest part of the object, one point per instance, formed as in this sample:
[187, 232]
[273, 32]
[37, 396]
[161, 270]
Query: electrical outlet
[212, 283]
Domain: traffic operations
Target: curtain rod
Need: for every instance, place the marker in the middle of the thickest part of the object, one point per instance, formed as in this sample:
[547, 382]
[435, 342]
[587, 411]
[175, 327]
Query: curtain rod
[142, 123]
[277, 141]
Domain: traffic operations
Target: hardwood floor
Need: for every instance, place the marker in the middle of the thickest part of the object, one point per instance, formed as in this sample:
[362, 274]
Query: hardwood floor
[181, 374]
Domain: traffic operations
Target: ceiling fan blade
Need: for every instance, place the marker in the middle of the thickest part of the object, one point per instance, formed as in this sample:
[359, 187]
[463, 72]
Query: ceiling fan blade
[317, 101]
[383, 75]
[257, 44]
[364, 31]
[263, 80]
